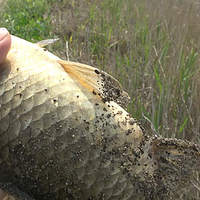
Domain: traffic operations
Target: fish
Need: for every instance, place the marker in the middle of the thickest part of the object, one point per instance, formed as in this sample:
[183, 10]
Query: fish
[65, 133]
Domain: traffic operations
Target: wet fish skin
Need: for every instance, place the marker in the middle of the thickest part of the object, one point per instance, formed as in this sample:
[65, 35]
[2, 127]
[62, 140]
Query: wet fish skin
[61, 140]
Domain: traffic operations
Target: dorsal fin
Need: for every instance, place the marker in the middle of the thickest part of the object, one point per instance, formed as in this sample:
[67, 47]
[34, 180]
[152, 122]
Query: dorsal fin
[43, 43]
[97, 81]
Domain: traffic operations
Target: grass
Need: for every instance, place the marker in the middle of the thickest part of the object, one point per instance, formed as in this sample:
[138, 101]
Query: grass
[151, 47]
[27, 19]
[154, 58]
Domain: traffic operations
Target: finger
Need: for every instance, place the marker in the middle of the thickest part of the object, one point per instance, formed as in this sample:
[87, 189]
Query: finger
[5, 43]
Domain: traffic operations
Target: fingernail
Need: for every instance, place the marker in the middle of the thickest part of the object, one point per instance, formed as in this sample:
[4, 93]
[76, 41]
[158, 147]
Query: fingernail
[3, 33]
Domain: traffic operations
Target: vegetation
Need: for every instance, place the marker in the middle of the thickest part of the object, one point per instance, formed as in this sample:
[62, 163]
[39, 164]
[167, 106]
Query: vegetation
[154, 57]
[27, 19]
[151, 47]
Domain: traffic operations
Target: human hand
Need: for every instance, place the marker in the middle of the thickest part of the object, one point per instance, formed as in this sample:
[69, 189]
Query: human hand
[5, 43]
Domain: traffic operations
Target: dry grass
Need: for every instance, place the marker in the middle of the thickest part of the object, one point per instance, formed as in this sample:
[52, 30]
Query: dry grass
[151, 47]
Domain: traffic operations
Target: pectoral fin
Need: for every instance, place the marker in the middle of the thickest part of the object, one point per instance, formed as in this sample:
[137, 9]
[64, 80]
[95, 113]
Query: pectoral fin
[43, 43]
[97, 81]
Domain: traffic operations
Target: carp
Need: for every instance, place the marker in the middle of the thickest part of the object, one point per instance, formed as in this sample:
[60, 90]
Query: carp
[65, 134]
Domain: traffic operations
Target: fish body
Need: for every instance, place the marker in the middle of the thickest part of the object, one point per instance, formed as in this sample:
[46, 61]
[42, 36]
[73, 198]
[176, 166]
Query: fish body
[64, 134]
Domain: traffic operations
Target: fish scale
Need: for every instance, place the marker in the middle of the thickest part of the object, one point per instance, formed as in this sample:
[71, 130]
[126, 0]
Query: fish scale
[64, 136]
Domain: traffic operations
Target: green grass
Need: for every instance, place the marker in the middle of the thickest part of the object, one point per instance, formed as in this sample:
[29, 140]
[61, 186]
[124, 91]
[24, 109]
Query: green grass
[27, 19]
[154, 58]
[156, 67]
[151, 47]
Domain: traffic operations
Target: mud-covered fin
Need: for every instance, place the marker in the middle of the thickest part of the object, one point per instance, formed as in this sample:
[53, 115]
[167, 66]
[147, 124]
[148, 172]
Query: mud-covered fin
[176, 154]
[97, 81]
[47, 42]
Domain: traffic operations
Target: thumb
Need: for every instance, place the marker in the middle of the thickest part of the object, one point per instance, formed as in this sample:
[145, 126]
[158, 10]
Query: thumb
[5, 43]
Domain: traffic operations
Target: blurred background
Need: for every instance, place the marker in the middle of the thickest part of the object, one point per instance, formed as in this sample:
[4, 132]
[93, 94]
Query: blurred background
[151, 47]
